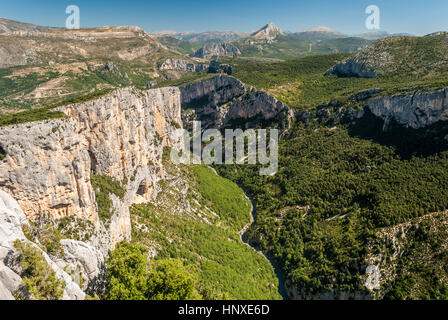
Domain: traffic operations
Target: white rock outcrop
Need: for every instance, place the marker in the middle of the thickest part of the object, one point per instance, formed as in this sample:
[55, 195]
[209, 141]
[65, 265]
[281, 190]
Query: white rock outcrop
[417, 110]
[11, 220]
[373, 277]
[216, 49]
[182, 65]
[86, 264]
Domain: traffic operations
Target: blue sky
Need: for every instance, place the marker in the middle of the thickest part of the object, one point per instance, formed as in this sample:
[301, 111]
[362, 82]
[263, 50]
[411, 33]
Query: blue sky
[416, 17]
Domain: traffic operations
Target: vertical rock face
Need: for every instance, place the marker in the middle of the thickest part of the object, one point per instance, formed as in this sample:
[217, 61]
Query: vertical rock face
[214, 49]
[415, 111]
[255, 105]
[182, 65]
[209, 97]
[221, 100]
[351, 68]
[48, 164]
[47, 169]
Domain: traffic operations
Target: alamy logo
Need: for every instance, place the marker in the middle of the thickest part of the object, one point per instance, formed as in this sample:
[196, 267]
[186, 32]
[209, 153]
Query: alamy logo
[207, 147]
[373, 20]
[73, 21]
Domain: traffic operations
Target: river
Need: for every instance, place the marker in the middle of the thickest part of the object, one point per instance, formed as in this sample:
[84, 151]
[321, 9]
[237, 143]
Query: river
[243, 236]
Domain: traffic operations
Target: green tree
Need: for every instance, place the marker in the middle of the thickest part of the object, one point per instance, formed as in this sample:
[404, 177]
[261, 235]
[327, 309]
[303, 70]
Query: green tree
[169, 279]
[39, 279]
[130, 276]
[127, 273]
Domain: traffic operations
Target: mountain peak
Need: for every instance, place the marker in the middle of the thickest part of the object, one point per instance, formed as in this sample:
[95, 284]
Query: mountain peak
[268, 32]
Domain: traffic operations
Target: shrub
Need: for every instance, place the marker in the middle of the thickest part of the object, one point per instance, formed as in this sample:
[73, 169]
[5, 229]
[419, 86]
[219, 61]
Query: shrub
[39, 279]
[2, 154]
[127, 273]
[104, 186]
[169, 279]
[131, 277]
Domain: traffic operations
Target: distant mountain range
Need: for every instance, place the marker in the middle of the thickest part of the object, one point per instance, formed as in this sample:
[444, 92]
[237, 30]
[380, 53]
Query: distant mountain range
[312, 34]
[271, 42]
[48, 64]
[206, 37]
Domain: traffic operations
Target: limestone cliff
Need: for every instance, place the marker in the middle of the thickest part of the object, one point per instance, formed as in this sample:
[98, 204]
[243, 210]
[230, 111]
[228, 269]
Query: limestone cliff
[416, 110]
[223, 101]
[182, 65]
[48, 165]
[121, 135]
[223, 49]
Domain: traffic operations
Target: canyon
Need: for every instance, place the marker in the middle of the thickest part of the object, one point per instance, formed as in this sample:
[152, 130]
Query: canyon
[48, 171]
[120, 135]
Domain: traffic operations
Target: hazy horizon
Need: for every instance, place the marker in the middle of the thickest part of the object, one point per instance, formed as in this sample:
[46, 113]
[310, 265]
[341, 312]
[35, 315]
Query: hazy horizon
[345, 16]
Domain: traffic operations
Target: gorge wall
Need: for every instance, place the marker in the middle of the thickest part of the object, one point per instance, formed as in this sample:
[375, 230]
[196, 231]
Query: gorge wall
[48, 165]
[223, 101]
[121, 135]
[416, 110]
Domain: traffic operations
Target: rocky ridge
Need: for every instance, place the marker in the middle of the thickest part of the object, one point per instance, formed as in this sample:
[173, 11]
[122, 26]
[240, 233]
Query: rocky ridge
[12, 219]
[182, 65]
[222, 49]
[417, 110]
[222, 100]
[398, 55]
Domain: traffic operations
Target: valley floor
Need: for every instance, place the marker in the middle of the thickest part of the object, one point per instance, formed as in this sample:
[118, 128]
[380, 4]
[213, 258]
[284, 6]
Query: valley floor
[197, 216]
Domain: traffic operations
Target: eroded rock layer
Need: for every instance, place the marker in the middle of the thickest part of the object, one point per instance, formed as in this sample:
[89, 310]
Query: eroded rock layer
[48, 164]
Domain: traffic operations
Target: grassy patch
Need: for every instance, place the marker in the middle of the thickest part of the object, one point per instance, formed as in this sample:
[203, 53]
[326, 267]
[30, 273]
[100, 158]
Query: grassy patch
[104, 186]
[46, 113]
[75, 228]
[30, 116]
[222, 196]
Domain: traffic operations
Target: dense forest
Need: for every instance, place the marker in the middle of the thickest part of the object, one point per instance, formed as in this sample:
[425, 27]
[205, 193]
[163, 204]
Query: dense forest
[340, 185]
